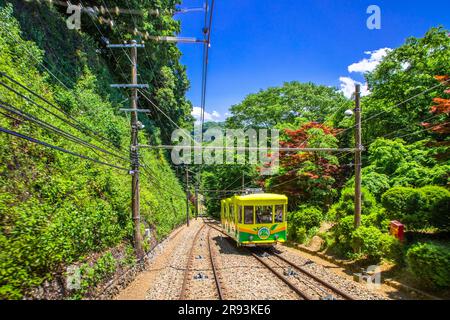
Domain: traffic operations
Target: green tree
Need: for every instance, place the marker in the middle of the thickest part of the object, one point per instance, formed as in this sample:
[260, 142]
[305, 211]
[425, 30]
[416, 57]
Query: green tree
[405, 72]
[282, 105]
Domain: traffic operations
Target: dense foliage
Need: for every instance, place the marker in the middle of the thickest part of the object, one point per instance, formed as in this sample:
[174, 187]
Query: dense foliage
[57, 209]
[405, 174]
[429, 263]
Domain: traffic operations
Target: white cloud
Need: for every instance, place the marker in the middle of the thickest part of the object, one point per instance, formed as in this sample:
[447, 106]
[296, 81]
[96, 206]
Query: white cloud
[197, 113]
[215, 114]
[348, 87]
[368, 65]
[365, 65]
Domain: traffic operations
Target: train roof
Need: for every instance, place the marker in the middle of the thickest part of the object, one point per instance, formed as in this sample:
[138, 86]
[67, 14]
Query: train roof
[262, 197]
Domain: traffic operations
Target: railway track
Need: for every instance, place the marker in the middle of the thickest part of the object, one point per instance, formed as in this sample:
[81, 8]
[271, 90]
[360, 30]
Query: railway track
[327, 285]
[305, 284]
[201, 279]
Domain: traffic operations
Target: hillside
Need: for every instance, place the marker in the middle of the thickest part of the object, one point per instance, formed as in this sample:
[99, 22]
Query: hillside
[58, 209]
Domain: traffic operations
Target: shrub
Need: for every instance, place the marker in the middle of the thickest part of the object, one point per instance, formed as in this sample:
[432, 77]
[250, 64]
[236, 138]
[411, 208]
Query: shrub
[300, 235]
[419, 208]
[366, 240]
[374, 244]
[302, 221]
[308, 217]
[391, 248]
[430, 262]
[346, 205]
[406, 204]
[437, 206]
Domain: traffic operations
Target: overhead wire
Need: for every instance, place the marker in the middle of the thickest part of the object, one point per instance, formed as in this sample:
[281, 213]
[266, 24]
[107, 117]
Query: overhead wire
[45, 144]
[29, 117]
[64, 85]
[397, 105]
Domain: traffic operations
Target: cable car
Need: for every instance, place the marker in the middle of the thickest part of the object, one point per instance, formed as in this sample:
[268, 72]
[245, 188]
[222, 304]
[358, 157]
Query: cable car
[255, 219]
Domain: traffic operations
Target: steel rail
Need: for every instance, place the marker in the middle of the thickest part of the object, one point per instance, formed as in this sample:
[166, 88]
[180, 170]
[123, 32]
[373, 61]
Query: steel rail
[309, 274]
[214, 269]
[189, 265]
[304, 271]
[281, 277]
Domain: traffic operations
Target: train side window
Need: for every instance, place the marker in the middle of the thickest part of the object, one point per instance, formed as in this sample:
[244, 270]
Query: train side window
[264, 214]
[279, 213]
[248, 214]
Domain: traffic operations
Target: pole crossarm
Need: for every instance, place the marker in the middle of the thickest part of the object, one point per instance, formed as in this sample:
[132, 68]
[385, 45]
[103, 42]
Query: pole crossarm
[136, 110]
[176, 39]
[249, 148]
[132, 86]
[126, 45]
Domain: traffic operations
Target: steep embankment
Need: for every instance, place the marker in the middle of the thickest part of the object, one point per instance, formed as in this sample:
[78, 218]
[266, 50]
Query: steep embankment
[57, 209]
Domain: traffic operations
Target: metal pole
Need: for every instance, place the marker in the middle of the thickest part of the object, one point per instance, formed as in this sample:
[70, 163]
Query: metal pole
[135, 207]
[358, 150]
[187, 196]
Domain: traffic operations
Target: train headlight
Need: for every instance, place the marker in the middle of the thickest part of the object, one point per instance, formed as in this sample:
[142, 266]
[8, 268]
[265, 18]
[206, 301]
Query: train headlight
[276, 237]
[250, 238]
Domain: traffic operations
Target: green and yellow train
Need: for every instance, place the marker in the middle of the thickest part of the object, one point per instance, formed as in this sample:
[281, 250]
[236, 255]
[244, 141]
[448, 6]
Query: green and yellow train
[255, 219]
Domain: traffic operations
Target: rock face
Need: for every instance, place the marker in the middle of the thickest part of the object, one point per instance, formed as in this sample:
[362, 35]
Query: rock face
[316, 243]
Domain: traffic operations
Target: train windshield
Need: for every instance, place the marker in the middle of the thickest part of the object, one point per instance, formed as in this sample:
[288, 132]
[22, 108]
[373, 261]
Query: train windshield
[264, 214]
[248, 215]
[279, 213]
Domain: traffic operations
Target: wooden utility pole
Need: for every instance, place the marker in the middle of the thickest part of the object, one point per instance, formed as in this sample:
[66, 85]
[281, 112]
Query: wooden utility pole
[135, 196]
[358, 151]
[187, 196]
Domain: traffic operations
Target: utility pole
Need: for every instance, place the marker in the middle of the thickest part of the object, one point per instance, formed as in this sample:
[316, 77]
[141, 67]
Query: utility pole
[187, 196]
[243, 182]
[358, 151]
[135, 196]
[196, 197]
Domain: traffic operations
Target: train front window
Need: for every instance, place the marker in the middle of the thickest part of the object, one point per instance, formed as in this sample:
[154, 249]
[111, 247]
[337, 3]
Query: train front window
[248, 215]
[279, 213]
[264, 214]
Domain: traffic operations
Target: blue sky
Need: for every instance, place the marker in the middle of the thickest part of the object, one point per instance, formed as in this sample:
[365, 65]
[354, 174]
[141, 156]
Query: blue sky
[256, 44]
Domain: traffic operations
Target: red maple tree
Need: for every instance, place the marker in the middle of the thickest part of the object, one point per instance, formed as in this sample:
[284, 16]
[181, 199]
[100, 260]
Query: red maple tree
[441, 106]
[305, 175]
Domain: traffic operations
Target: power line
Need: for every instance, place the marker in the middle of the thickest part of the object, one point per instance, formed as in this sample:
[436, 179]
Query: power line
[206, 60]
[10, 108]
[45, 144]
[76, 126]
[59, 80]
[397, 105]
